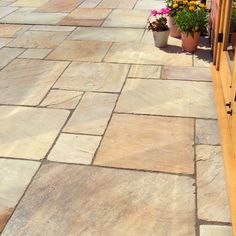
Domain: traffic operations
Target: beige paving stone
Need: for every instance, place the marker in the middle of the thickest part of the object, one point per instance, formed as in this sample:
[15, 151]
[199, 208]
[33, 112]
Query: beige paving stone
[127, 18]
[60, 5]
[28, 16]
[150, 4]
[29, 132]
[89, 200]
[86, 17]
[29, 3]
[8, 54]
[144, 142]
[211, 194]
[4, 42]
[167, 97]
[52, 28]
[85, 51]
[26, 82]
[117, 4]
[5, 3]
[75, 148]
[141, 53]
[144, 71]
[35, 53]
[207, 132]
[4, 11]
[36, 39]
[216, 230]
[107, 34]
[102, 77]
[90, 3]
[186, 73]
[15, 175]
[92, 114]
[12, 31]
[202, 57]
[62, 99]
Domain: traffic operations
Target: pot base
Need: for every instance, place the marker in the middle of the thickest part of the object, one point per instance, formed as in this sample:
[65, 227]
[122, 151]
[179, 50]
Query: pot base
[189, 43]
[161, 38]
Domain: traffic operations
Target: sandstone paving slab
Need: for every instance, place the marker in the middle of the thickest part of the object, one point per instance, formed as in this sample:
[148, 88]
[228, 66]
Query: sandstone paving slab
[92, 114]
[207, 132]
[35, 53]
[29, 132]
[15, 175]
[11, 30]
[107, 34]
[62, 99]
[90, 3]
[144, 142]
[8, 54]
[60, 5]
[5, 3]
[53, 28]
[86, 17]
[211, 194]
[102, 77]
[127, 18]
[71, 148]
[4, 11]
[167, 97]
[202, 57]
[145, 71]
[150, 4]
[216, 230]
[29, 3]
[186, 73]
[117, 4]
[4, 42]
[85, 51]
[26, 82]
[141, 53]
[90, 200]
[36, 39]
[28, 16]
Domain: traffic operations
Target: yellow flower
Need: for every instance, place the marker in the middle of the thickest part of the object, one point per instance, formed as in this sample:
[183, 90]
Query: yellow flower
[191, 8]
[175, 5]
[202, 5]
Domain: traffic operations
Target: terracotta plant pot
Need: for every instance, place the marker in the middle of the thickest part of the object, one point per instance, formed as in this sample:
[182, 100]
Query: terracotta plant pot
[161, 38]
[189, 43]
[174, 31]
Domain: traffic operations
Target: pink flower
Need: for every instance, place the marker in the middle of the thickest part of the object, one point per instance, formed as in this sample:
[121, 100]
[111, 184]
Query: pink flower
[154, 12]
[165, 11]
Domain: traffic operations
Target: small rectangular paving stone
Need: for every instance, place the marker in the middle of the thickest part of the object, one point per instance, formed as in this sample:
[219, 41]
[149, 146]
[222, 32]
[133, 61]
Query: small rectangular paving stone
[92, 114]
[145, 71]
[29, 3]
[86, 200]
[35, 53]
[10, 30]
[117, 4]
[52, 28]
[216, 230]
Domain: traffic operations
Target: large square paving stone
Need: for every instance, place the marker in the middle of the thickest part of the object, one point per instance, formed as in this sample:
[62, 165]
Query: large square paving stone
[29, 132]
[26, 82]
[148, 142]
[93, 51]
[15, 175]
[101, 201]
[165, 97]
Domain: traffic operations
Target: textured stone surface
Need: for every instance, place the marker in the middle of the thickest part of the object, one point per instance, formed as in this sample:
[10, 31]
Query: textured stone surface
[35, 53]
[36, 39]
[207, 132]
[150, 4]
[8, 54]
[4, 11]
[80, 51]
[127, 18]
[90, 3]
[14, 178]
[143, 142]
[74, 148]
[143, 71]
[18, 139]
[8, 31]
[101, 77]
[29, 3]
[52, 28]
[140, 53]
[87, 200]
[86, 17]
[4, 42]
[117, 4]
[211, 194]
[26, 82]
[92, 114]
[166, 97]
[62, 99]
[107, 34]
[216, 230]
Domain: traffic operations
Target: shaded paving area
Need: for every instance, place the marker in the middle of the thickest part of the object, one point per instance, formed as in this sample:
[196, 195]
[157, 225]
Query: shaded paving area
[101, 132]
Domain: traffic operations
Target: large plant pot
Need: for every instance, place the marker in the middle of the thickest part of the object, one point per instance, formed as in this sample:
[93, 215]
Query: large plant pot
[174, 31]
[189, 42]
[161, 38]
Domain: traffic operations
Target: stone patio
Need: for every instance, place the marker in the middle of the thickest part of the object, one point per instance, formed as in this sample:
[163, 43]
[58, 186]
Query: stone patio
[102, 133]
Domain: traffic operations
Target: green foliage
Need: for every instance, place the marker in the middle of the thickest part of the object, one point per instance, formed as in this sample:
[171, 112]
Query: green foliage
[233, 21]
[189, 21]
[160, 24]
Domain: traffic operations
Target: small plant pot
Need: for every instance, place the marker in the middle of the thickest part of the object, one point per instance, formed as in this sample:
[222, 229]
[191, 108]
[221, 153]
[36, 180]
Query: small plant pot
[174, 31]
[189, 42]
[161, 38]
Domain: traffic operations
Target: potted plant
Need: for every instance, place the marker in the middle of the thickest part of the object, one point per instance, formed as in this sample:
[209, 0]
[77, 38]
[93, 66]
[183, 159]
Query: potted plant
[192, 21]
[159, 27]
